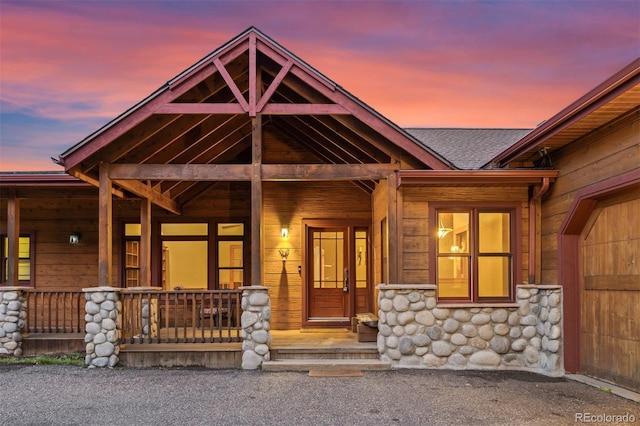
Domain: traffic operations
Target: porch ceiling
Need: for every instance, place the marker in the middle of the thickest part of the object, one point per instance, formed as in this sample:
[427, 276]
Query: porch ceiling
[205, 116]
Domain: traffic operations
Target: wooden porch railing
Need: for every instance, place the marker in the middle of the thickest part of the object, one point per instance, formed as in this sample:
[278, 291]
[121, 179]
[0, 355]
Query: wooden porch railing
[185, 316]
[55, 311]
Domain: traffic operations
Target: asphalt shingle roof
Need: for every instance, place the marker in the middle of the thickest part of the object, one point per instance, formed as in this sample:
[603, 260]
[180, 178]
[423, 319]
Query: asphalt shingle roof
[468, 149]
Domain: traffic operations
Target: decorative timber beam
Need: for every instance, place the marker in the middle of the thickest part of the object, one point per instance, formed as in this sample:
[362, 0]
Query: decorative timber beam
[274, 85]
[232, 84]
[157, 198]
[199, 108]
[181, 172]
[331, 172]
[244, 172]
[273, 109]
[93, 181]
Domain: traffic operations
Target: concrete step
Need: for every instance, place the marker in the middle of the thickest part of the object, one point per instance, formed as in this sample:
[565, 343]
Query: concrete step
[324, 353]
[325, 364]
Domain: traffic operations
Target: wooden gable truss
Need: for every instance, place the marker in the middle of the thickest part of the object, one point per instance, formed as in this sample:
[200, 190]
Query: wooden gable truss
[208, 125]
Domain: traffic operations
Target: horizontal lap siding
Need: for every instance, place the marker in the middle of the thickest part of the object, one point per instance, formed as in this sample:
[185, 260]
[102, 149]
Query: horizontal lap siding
[63, 266]
[415, 222]
[287, 204]
[609, 152]
[59, 265]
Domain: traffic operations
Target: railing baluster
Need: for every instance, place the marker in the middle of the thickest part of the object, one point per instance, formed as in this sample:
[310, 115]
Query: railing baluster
[173, 316]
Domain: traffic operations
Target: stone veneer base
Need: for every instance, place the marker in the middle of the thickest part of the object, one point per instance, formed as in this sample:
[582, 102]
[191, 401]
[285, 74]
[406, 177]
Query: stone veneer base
[414, 331]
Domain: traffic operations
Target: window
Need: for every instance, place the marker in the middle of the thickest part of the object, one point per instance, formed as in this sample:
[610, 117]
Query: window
[230, 255]
[132, 254]
[25, 259]
[184, 255]
[475, 253]
[189, 256]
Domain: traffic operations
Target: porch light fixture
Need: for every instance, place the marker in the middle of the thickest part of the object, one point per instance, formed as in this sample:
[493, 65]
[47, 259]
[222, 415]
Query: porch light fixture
[284, 254]
[284, 233]
[74, 238]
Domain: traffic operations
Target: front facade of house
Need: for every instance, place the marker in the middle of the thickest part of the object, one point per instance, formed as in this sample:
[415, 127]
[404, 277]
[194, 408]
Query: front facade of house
[252, 169]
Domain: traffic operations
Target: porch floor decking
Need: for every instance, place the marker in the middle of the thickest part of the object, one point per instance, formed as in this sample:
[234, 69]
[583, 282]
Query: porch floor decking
[280, 339]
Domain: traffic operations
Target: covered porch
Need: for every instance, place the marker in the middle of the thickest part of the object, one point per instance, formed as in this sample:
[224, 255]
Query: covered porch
[253, 139]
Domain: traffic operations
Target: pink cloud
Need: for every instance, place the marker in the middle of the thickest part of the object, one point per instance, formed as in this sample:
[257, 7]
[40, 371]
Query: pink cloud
[453, 64]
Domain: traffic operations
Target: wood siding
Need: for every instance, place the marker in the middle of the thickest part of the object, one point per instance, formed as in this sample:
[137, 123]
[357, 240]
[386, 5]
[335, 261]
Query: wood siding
[608, 152]
[415, 222]
[59, 265]
[63, 266]
[286, 204]
[610, 291]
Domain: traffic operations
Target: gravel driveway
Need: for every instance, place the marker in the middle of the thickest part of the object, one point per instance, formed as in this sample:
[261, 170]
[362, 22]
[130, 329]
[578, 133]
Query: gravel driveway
[71, 395]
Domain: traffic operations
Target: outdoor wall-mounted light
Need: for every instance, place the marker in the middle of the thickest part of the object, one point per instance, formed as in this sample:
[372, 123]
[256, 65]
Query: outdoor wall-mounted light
[284, 254]
[74, 238]
[284, 233]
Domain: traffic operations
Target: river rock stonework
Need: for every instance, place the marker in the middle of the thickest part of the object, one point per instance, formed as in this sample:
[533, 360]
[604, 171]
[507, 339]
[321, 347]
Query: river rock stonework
[416, 332]
[13, 312]
[255, 333]
[102, 314]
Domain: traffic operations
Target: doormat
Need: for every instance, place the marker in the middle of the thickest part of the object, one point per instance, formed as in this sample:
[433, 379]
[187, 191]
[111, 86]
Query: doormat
[321, 372]
[324, 330]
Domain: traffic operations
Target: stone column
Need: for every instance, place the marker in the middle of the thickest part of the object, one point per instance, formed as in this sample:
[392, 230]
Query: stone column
[13, 312]
[103, 309]
[256, 314]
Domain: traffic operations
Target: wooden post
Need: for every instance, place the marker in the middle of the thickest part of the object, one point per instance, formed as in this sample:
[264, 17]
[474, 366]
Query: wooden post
[105, 229]
[13, 237]
[253, 84]
[256, 201]
[145, 242]
[392, 223]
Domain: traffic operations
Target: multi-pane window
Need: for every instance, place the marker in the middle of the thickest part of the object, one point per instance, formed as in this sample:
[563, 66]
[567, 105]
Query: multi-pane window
[25, 259]
[362, 242]
[188, 253]
[230, 255]
[132, 255]
[328, 259]
[475, 254]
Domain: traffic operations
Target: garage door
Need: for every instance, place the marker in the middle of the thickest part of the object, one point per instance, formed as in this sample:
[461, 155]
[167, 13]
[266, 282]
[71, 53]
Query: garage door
[610, 291]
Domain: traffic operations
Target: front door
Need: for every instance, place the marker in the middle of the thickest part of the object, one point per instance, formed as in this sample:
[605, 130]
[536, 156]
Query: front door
[337, 284]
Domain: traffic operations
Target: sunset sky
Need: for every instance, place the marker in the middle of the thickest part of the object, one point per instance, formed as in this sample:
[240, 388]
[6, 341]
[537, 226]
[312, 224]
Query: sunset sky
[69, 67]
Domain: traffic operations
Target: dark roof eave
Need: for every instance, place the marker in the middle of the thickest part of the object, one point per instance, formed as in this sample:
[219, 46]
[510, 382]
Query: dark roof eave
[619, 83]
[39, 179]
[504, 177]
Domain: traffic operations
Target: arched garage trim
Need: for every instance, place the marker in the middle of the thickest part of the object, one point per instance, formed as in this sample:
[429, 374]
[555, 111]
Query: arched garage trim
[569, 271]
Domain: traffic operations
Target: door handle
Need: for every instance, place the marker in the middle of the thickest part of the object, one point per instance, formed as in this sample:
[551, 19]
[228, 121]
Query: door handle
[345, 287]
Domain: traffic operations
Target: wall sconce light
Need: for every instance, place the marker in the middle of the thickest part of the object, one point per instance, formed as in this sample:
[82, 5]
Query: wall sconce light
[74, 238]
[284, 254]
[284, 233]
